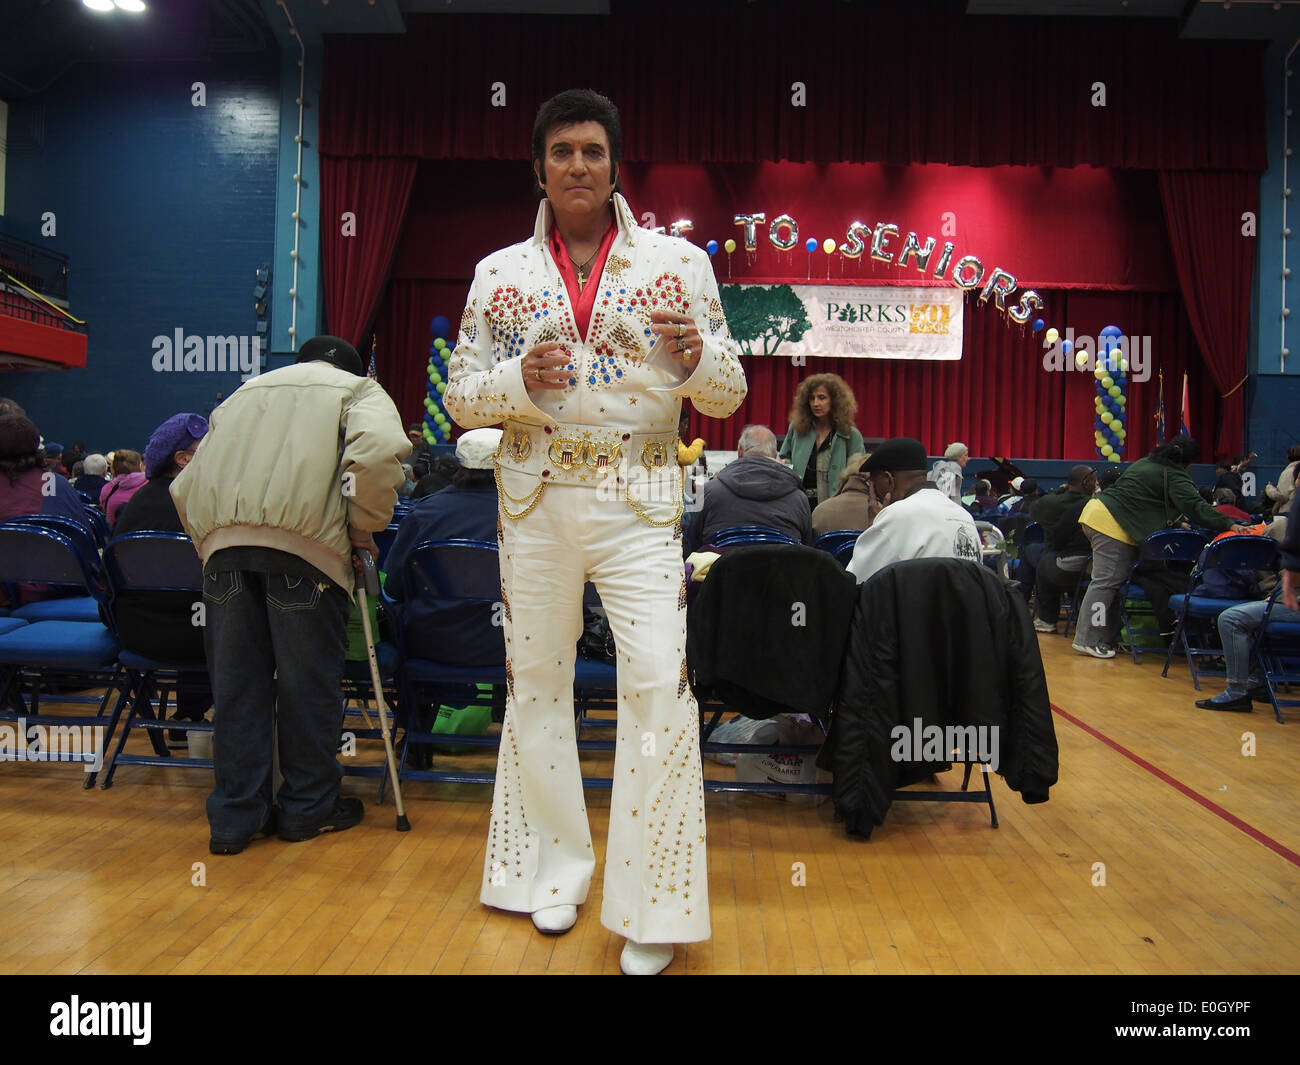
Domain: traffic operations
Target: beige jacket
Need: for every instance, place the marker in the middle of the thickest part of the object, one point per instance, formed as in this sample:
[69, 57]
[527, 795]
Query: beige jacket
[623, 380]
[301, 459]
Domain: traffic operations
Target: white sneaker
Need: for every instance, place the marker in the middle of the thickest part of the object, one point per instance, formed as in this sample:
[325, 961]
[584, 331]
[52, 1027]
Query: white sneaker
[554, 920]
[645, 959]
[1043, 626]
[1101, 650]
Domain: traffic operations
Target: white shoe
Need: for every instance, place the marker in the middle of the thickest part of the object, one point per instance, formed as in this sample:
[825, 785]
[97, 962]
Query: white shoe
[645, 959]
[1043, 626]
[555, 919]
[1101, 650]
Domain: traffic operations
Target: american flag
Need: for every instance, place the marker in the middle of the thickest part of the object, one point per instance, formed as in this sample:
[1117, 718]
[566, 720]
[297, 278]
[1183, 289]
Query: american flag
[1187, 410]
[371, 371]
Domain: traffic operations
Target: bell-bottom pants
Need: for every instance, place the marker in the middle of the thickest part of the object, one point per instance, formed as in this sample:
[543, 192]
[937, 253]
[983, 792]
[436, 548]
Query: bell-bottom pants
[539, 851]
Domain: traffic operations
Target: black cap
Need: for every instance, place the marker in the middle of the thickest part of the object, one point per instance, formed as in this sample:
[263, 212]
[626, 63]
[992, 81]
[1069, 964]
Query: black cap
[334, 351]
[896, 455]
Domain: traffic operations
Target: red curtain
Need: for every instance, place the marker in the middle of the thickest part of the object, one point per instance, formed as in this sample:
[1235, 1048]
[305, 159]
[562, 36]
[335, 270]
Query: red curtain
[921, 82]
[356, 250]
[404, 334]
[1215, 263]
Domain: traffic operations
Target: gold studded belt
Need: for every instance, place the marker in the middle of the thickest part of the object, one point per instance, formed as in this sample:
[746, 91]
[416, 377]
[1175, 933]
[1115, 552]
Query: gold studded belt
[595, 456]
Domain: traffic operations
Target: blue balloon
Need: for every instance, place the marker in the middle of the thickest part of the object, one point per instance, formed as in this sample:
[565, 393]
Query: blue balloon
[810, 243]
[1038, 325]
[711, 247]
[1067, 347]
[441, 327]
[1111, 331]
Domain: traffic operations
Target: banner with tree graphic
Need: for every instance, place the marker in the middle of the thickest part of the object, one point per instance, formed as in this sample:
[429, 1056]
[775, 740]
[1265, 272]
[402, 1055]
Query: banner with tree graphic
[850, 321]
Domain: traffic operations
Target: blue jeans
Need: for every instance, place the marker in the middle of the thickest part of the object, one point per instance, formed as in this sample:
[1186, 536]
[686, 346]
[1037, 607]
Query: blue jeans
[1237, 628]
[275, 647]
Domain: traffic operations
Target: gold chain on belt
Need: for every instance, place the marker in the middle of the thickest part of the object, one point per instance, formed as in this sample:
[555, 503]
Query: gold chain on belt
[531, 499]
[639, 510]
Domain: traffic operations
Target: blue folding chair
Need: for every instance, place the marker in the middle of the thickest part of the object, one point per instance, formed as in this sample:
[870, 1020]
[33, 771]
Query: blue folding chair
[464, 571]
[1167, 548]
[153, 562]
[839, 543]
[1277, 650]
[39, 654]
[384, 542]
[737, 535]
[98, 524]
[1225, 576]
[64, 608]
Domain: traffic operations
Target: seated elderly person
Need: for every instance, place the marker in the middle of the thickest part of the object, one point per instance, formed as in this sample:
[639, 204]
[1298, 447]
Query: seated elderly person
[1066, 549]
[465, 510]
[162, 624]
[914, 519]
[756, 489]
[92, 481]
[849, 508]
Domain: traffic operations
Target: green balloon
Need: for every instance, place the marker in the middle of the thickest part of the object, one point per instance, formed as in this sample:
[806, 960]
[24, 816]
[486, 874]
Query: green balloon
[1115, 391]
[442, 387]
[440, 343]
[435, 376]
[1107, 382]
[1123, 400]
[1107, 417]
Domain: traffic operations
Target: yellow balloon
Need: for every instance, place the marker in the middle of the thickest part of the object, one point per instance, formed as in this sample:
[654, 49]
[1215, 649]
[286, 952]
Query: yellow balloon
[1081, 360]
[729, 245]
[1107, 450]
[1107, 417]
[828, 246]
[1115, 391]
[1052, 335]
[1099, 372]
[1123, 400]
[1107, 381]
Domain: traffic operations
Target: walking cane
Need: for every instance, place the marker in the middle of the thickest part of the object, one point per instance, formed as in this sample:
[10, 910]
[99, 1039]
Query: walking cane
[368, 581]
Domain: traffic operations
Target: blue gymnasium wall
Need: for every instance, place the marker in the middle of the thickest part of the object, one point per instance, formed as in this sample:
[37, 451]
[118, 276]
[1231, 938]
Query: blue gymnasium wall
[1273, 394]
[165, 209]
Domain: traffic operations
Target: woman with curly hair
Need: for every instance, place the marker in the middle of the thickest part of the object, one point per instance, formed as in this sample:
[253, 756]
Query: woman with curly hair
[821, 435]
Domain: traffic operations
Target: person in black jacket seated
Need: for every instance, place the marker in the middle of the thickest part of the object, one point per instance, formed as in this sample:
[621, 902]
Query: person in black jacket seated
[1066, 551]
[756, 489]
[462, 634]
[161, 624]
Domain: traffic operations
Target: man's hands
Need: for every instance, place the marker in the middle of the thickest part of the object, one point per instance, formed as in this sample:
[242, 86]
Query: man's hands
[368, 544]
[547, 367]
[684, 341]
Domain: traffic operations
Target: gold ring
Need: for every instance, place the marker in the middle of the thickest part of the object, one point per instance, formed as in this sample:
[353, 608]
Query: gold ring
[538, 374]
[681, 330]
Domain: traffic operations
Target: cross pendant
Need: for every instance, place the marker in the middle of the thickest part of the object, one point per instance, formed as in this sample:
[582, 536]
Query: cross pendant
[582, 280]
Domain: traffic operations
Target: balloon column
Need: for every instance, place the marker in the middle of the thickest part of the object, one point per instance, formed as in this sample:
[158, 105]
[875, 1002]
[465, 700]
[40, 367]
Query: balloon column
[1111, 402]
[437, 426]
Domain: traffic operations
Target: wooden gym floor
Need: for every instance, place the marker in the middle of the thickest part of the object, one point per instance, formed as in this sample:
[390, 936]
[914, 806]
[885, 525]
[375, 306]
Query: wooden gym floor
[1196, 843]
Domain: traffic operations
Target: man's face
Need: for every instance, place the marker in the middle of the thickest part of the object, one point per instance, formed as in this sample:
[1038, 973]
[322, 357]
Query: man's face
[577, 174]
[414, 436]
[880, 487]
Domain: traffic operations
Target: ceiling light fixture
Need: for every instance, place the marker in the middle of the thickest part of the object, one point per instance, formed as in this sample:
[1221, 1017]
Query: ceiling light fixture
[133, 6]
[99, 5]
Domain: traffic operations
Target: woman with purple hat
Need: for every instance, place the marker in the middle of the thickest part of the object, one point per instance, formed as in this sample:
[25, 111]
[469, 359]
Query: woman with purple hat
[160, 624]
